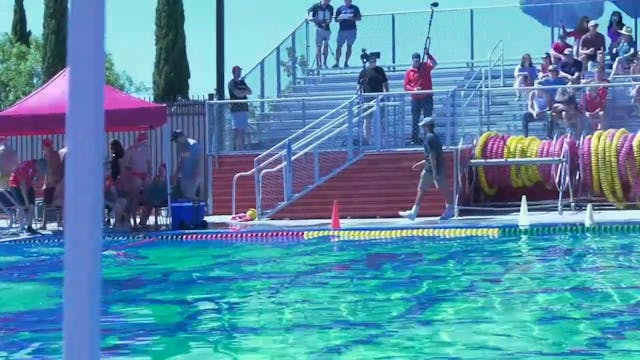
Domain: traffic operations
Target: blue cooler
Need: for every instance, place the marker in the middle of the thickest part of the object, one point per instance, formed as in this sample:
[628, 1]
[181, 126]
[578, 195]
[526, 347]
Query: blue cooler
[188, 215]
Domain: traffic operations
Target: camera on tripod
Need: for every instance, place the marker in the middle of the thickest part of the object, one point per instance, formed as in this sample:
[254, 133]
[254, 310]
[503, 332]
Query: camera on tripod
[365, 57]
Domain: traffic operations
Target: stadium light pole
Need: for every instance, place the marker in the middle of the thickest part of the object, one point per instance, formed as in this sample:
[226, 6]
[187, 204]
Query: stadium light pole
[84, 202]
[220, 49]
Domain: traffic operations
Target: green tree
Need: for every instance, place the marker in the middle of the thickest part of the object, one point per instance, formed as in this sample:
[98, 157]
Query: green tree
[21, 72]
[171, 68]
[122, 80]
[54, 37]
[19, 31]
[20, 69]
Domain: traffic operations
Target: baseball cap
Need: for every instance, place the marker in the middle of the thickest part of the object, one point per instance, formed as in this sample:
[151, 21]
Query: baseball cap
[553, 68]
[427, 121]
[415, 56]
[236, 68]
[568, 51]
[47, 142]
[593, 23]
[176, 134]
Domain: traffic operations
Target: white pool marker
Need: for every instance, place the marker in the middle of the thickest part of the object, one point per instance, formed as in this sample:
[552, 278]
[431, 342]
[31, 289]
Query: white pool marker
[523, 219]
[589, 221]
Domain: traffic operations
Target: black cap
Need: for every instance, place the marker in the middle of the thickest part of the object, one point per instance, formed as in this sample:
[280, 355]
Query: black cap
[416, 56]
[374, 55]
[176, 134]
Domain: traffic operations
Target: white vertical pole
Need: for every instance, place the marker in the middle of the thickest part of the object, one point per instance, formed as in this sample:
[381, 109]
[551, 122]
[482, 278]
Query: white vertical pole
[84, 201]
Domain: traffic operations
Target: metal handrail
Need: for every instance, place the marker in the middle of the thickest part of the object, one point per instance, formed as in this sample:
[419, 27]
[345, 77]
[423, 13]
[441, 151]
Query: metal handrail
[500, 46]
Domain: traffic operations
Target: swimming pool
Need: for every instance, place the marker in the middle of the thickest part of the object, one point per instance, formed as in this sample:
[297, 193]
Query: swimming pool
[484, 298]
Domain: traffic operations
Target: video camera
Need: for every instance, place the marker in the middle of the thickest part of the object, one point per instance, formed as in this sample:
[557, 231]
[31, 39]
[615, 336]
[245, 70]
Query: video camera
[365, 57]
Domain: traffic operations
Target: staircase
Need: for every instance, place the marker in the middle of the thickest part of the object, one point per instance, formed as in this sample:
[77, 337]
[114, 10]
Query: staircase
[285, 117]
[377, 185]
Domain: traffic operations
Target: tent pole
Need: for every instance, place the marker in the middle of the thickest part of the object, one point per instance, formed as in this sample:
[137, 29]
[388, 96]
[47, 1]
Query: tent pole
[84, 200]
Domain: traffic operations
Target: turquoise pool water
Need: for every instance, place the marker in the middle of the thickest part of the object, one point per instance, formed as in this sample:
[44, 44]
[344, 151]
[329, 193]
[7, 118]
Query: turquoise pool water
[513, 297]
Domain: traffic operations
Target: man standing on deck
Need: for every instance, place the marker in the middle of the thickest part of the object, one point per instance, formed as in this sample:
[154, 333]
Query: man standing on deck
[189, 168]
[321, 14]
[418, 78]
[432, 172]
[346, 16]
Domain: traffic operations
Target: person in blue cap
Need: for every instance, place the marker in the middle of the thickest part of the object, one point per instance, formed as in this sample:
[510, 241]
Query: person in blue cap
[432, 172]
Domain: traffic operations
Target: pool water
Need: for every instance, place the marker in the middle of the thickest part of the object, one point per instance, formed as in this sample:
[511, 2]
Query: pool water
[563, 296]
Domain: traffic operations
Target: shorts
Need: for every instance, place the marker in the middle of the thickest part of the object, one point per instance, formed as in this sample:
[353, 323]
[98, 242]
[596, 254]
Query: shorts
[5, 200]
[17, 196]
[190, 188]
[427, 180]
[240, 120]
[48, 195]
[322, 36]
[348, 36]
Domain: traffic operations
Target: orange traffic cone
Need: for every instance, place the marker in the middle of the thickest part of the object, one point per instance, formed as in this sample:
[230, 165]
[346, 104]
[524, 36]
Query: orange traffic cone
[335, 216]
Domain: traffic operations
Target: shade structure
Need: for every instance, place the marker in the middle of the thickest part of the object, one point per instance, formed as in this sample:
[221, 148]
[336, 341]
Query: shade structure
[630, 7]
[43, 112]
[562, 12]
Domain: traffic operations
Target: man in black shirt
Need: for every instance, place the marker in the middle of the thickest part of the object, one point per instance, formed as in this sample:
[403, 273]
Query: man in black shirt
[346, 16]
[321, 14]
[238, 90]
[432, 172]
[372, 79]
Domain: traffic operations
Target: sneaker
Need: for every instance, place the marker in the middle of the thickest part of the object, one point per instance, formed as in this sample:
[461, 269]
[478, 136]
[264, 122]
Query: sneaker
[31, 230]
[346, 65]
[407, 214]
[336, 66]
[447, 214]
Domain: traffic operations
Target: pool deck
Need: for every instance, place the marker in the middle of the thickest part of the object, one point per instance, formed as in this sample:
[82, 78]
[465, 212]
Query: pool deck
[222, 222]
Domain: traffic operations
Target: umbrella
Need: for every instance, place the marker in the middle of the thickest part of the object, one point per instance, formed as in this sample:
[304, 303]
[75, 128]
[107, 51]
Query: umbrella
[555, 13]
[630, 7]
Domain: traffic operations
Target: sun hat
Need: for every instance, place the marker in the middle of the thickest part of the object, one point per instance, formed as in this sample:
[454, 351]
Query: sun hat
[627, 30]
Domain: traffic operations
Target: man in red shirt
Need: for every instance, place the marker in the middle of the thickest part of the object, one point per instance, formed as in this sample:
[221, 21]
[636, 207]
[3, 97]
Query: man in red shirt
[418, 78]
[21, 186]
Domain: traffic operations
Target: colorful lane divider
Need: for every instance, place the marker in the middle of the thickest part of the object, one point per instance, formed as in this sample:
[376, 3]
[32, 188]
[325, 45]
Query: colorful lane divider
[286, 236]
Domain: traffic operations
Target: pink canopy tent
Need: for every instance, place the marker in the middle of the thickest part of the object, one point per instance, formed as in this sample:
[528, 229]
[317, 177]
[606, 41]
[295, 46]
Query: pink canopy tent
[43, 111]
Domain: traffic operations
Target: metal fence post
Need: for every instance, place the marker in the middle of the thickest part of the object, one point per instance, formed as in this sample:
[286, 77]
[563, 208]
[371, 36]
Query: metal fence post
[316, 164]
[472, 36]
[377, 124]
[262, 86]
[278, 72]
[288, 173]
[294, 59]
[304, 113]
[350, 131]
[393, 38]
[258, 185]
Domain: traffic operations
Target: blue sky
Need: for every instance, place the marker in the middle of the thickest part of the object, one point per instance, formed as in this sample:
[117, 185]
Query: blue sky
[255, 27]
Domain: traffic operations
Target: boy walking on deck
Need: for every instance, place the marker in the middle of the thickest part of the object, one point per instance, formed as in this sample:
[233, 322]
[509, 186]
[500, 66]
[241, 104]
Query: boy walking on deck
[432, 172]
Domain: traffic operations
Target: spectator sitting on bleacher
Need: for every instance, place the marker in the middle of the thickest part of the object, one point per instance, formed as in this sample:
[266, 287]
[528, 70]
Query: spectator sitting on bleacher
[592, 47]
[613, 31]
[626, 52]
[570, 67]
[593, 105]
[599, 78]
[553, 80]
[525, 74]
[566, 111]
[558, 48]
[538, 109]
[543, 72]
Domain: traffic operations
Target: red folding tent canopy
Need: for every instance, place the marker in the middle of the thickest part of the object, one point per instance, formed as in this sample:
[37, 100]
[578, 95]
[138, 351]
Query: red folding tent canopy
[43, 111]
